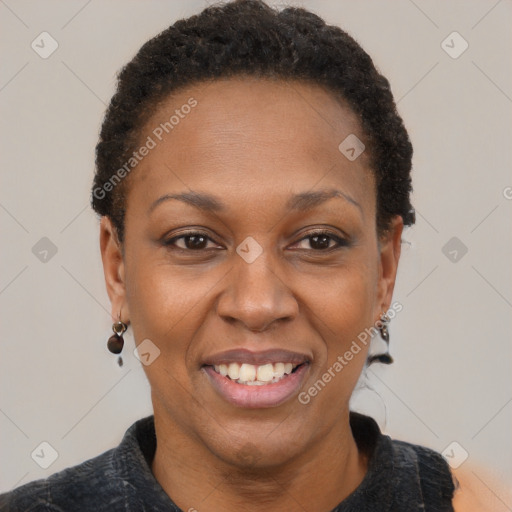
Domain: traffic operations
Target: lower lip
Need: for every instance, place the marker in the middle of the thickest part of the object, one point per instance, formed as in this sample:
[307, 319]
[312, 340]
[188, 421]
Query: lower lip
[254, 397]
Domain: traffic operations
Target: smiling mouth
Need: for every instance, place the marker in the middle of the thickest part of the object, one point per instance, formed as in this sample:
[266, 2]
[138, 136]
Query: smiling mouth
[255, 375]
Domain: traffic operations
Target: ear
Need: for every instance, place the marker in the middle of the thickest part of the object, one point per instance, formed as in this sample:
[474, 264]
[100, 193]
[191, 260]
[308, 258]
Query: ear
[113, 269]
[389, 255]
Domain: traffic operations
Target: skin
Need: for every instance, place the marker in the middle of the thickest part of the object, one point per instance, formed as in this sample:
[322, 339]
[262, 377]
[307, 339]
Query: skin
[252, 144]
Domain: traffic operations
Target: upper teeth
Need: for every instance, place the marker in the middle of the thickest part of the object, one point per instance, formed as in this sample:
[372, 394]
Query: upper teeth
[255, 375]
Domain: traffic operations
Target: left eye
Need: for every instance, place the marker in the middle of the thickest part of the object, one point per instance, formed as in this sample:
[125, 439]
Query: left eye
[321, 241]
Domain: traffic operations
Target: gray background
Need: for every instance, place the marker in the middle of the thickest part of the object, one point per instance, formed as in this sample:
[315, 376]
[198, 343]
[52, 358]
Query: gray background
[451, 343]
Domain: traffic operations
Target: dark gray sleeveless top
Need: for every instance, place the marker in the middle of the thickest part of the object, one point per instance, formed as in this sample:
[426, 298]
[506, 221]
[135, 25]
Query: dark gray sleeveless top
[401, 477]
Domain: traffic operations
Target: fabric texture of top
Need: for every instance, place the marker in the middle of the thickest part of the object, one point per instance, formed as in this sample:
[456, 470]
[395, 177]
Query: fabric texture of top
[401, 477]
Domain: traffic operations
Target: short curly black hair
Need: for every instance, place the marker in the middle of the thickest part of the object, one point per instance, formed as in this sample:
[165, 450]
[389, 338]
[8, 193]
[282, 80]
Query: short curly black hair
[248, 37]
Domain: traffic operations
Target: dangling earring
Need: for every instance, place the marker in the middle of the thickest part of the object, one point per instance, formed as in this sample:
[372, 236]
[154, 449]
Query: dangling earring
[116, 342]
[384, 333]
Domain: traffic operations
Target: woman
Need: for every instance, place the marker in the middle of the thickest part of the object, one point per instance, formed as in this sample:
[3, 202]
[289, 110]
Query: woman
[253, 181]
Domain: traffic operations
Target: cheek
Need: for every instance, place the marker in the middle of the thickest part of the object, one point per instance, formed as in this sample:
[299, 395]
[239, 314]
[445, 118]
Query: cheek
[168, 305]
[344, 312]
[344, 300]
[162, 310]
[158, 300]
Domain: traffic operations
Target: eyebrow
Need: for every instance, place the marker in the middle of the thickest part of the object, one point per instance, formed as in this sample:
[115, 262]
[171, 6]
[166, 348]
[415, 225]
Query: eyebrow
[302, 201]
[309, 200]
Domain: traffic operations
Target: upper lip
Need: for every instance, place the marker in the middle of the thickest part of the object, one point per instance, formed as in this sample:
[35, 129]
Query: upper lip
[256, 358]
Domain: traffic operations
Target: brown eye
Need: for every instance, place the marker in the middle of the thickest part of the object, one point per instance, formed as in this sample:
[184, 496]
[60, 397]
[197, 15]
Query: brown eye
[322, 241]
[192, 241]
[195, 241]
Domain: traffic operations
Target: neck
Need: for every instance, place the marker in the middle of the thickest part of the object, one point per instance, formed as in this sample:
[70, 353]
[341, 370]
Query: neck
[322, 476]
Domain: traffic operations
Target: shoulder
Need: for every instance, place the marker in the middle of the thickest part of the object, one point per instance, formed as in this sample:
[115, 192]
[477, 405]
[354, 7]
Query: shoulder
[469, 488]
[103, 483]
[72, 486]
[401, 475]
[431, 471]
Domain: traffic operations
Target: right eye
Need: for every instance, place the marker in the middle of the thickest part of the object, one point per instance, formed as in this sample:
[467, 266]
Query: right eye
[191, 241]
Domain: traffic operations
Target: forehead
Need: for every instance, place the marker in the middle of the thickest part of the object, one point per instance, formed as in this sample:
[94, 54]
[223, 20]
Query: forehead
[239, 136]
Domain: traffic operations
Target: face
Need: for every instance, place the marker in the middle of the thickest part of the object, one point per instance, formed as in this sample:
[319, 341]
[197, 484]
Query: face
[265, 265]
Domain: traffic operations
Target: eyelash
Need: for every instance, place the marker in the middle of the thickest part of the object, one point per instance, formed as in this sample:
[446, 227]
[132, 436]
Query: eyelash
[341, 242]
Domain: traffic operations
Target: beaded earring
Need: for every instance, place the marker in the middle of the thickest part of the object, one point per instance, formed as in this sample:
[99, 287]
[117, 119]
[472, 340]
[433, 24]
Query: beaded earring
[116, 342]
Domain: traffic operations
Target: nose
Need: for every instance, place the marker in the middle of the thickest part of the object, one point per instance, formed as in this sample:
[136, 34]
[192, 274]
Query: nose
[256, 296]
